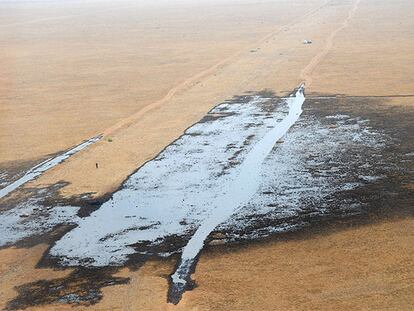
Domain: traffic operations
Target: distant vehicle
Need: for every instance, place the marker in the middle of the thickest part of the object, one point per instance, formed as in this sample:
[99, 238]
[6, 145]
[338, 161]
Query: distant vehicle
[307, 41]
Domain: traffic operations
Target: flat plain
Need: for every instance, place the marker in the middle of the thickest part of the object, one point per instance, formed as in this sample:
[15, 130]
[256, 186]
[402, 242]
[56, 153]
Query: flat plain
[141, 74]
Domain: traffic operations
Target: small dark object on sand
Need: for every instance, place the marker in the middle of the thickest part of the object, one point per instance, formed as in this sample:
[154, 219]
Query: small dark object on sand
[96, 164]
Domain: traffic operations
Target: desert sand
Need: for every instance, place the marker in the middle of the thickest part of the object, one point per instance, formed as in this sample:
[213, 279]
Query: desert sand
[141, 75]
[72, 70]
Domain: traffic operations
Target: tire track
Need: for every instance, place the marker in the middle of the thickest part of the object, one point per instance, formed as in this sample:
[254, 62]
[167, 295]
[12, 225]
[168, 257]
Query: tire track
[188, 83]
[306, 74]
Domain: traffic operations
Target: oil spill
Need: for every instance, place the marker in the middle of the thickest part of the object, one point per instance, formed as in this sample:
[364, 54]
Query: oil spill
[12, 170]
[42, 167]
[375, 177]
[81, 287]
[345, 159]
[40, 215]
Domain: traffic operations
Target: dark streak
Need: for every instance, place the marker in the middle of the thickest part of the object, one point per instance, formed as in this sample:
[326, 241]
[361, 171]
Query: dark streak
[81, 287]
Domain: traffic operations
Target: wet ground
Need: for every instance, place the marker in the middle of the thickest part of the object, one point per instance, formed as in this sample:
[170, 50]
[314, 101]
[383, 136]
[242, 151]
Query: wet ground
[345, 158]
[12, 182]
[83, 286]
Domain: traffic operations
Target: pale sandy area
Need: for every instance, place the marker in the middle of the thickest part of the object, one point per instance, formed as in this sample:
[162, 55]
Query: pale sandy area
[58, 89]
[70, 70]
[374, 55]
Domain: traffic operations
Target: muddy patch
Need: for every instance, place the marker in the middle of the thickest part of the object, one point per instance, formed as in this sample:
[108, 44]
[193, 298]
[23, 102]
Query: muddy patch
[39, 215]
[13, 170]
[42, 167]
[32, 216]
[81, 287]
[334, 163]
[344, 158]
[173, 194]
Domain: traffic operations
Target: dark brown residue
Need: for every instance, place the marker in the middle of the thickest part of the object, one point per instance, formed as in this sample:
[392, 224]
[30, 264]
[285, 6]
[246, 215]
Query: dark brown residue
[81, 287]
[387, 198]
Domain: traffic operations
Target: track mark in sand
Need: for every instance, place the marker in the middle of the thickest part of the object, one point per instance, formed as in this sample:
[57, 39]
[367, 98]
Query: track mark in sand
[204, 74]
[306, 74]
[46, 165]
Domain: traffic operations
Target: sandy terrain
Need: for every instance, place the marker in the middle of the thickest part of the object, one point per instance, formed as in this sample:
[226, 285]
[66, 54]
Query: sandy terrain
[84, 83]
[72, 70]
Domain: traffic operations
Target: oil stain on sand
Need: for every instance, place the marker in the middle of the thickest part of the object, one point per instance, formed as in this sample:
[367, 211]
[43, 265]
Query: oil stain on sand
[332, 162]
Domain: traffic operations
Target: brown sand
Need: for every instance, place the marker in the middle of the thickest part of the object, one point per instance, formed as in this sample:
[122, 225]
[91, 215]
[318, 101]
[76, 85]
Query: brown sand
[82, 90]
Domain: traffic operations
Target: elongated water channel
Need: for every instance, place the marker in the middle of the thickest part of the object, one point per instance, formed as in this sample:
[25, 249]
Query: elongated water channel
[244, 184]
[44, 166]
